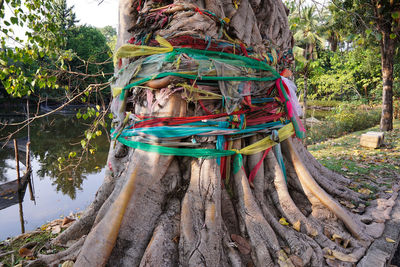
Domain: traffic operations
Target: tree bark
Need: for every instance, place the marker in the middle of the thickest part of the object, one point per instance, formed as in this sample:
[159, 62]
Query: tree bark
[387, 61]
[333, 41]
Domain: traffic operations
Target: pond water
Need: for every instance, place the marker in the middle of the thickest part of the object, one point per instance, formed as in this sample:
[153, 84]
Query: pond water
[58, 189]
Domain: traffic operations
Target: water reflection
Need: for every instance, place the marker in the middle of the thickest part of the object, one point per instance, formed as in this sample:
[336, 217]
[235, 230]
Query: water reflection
[54, 139]
[60, 188]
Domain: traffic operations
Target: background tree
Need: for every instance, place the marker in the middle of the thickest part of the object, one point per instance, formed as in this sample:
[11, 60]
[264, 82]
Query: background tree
[53, 58]
[305, 25]
[111, 35]
[91, 61]
[52, 49]
[63, 18]
[378, 18]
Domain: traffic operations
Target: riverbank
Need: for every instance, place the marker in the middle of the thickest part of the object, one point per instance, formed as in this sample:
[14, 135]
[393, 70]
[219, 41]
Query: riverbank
[18, 250]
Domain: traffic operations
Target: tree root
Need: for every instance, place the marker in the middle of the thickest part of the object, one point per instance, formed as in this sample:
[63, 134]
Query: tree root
[101, 239]
[290, 209]
[85, 223]
[157, 179]
[297, 246]
[324, 172]
[232, 254]
[69, 254]
[331, 182]
[201, 222]
[308, 183]
[162, 249]
[262, 237]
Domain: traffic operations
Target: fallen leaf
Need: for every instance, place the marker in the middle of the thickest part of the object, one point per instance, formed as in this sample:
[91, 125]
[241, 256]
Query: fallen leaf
[329, 257]
[68, 264]
[296, 260]
[286, 249]
[241, 244]
[343, 257]
[296, 226]
[176, 239]
[66, 221]
[335, 236]
[314, 232]
[390, 240]
[25, 252]
[56, 229]
[346, 243]
[364, 191]
[389, 191]
[283, 259]
[283, 221]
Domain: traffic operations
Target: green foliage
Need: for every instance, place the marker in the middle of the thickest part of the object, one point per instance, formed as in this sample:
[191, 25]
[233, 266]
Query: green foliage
[111, 36]
[53, 53]
[25, 67]
[347, 75]
[324, 103]
[370, 19]
[347, 118]
[351, 69]
[40, 237]
[89, 47]
[305, 24]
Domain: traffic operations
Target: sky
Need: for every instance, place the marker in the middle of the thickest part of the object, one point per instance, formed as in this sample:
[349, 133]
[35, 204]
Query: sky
[87, 12]
[91, 13]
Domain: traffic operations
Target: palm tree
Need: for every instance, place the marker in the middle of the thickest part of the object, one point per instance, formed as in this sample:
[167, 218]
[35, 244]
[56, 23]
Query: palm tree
[306, 35]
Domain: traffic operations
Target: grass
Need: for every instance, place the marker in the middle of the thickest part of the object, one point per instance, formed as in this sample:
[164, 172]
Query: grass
[31, 244]
[324, 103]
[374, 169]
[318, 113]
[346, 120]
[40, 239]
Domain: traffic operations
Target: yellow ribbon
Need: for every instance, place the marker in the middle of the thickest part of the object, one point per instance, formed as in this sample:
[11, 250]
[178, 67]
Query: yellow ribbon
[116, 91]
[130, 50]
[284, 133]
[192, 89]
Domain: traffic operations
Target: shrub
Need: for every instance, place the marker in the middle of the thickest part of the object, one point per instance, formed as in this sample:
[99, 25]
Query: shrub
[347, 118]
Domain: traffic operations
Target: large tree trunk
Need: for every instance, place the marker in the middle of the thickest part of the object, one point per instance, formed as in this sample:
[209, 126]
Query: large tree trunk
[166, 210]
[387, 60]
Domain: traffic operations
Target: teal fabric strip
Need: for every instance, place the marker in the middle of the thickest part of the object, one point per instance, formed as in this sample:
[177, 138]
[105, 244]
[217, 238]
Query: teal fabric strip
[172, 151]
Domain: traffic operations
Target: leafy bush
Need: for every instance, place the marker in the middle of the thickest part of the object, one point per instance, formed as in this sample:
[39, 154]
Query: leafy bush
[396, 108]
[323, 103]
[345, 75]
[347, 118]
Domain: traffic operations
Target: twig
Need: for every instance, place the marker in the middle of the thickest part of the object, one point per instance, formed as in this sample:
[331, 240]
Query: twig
[30, 120]
[6, 253]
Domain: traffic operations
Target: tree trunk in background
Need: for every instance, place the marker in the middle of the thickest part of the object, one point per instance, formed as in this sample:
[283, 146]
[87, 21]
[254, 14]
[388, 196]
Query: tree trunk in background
[333, 41]
[155, 210]
[387, 61]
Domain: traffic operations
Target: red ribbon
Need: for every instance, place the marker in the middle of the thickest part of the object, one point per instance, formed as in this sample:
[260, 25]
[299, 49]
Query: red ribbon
[257, 167]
